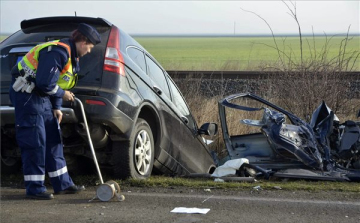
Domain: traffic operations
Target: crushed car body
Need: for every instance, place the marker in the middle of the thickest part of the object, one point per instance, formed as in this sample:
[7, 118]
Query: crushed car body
[285, 146]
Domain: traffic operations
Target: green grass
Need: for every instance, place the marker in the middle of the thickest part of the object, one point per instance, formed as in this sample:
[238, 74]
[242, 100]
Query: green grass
[199, 183]
[160, 181]
[168, 182]
[2, 38]
[234, 53]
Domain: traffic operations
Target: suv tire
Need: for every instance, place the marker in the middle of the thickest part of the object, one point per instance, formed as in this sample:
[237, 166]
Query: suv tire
[9, 164]
[135, 158]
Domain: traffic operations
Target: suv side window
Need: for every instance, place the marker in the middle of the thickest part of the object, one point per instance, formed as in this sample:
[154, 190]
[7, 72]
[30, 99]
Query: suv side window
[137, 56]
[180, 104]
[157, 75]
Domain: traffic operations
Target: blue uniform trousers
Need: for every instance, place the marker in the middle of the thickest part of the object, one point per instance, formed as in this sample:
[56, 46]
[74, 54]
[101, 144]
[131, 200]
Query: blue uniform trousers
[38, 135]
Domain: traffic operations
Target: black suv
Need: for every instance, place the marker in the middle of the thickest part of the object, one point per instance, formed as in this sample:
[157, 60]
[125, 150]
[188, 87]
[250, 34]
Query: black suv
[137, 116]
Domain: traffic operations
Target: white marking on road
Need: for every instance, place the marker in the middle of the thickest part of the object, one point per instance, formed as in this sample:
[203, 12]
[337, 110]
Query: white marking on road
[262, 199]
[207, 198]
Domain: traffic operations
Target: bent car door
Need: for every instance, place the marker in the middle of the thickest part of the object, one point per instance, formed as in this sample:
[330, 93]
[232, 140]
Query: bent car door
[179, 138]
[194, 154]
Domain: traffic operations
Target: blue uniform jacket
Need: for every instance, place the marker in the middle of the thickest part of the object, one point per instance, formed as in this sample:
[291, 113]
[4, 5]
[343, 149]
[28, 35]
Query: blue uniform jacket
[51, 63]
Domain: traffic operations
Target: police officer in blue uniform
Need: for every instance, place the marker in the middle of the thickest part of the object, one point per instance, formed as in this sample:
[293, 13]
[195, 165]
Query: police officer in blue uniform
[37, 94]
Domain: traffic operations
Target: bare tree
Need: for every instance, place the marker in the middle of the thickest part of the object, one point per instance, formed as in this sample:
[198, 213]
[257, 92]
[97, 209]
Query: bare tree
[301, 86]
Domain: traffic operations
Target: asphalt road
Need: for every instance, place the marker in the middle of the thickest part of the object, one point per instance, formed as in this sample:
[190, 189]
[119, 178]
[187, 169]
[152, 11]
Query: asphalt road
[154, 205]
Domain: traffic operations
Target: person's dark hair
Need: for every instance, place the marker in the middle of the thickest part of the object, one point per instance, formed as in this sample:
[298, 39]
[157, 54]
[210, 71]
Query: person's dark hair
[77, 36]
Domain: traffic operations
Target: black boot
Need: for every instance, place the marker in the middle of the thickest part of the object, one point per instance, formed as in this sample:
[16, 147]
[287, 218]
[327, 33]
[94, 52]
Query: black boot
[71, 190]
[41, 196]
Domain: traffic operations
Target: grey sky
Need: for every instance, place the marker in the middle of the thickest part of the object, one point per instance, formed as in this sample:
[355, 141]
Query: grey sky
[194, 17]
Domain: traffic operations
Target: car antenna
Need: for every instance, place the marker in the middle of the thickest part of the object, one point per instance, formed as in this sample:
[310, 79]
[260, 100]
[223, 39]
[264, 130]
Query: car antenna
[75, 13]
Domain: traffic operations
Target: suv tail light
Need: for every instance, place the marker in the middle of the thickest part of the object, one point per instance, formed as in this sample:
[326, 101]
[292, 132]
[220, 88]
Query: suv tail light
[94, 102]
[114, 61]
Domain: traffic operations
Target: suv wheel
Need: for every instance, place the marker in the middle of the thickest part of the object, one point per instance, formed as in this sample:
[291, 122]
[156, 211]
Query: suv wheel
[135, 158]
[9, 164]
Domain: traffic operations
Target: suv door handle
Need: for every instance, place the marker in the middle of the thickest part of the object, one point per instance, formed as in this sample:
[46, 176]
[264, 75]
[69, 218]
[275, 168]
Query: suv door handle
[184, 119]
[157, 90]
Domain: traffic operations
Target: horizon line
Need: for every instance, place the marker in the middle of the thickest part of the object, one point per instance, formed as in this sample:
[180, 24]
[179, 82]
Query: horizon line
[244, 35]
[229, 35]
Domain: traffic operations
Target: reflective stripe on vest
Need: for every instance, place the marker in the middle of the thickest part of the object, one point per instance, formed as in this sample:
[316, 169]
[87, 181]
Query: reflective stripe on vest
[29, 64]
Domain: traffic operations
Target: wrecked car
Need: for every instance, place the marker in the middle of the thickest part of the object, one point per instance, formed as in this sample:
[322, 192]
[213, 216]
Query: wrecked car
[137, 116]
[278, 143]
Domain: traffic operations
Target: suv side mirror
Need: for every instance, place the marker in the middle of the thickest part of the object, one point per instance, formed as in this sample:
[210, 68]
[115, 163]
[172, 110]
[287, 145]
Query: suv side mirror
[209, 129]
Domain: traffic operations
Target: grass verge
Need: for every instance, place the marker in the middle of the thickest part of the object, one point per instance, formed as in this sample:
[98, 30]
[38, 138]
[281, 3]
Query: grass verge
[160, 181]
[173, 182]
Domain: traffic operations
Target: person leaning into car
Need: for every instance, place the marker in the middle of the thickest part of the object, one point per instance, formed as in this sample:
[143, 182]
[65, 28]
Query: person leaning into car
[40, 82]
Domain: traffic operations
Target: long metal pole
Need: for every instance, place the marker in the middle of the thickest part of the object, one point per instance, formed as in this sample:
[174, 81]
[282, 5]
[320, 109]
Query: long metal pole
[90, 141]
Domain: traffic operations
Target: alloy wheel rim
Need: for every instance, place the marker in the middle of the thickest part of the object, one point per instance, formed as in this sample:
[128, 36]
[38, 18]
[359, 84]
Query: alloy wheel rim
[8, 161]
[143, 152]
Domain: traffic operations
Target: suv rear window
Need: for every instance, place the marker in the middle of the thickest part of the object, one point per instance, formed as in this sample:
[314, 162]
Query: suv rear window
[21, 37]
[137, 56]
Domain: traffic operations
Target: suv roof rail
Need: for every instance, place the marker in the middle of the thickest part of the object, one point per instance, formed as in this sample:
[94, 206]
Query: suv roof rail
[31, 23]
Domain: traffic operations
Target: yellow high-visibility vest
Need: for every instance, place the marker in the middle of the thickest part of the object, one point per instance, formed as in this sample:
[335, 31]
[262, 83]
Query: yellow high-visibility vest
[30, 63]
